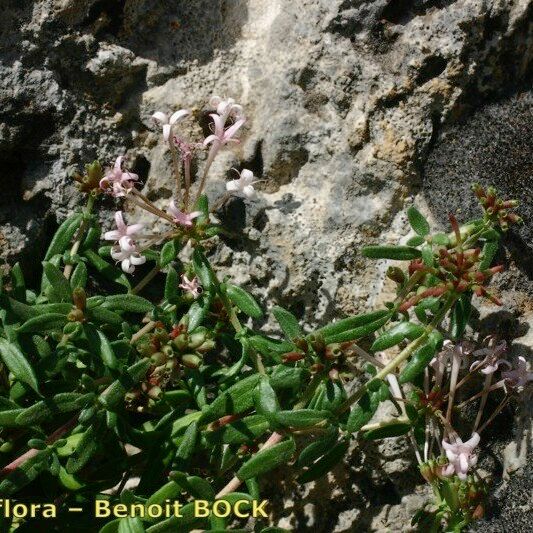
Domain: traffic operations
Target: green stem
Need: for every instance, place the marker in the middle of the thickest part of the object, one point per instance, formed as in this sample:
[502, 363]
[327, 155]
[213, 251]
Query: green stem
[149, 277]
[385, 423]
[67, 271]
[309, 391]
[237, 326]
[402, 356]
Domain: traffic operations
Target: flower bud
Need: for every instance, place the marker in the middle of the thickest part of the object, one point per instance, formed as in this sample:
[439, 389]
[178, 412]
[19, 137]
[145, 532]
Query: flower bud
[191, 360]
[301, 343]
[396, 274]
[180, 342]
[167, 350]
[333, 351]
[79, 298]
[158, 358]
[317, 367]
[76, 315]
[479, 512]
[196, 339]
[318, 344]
[208, 345]
[428, 471]
[291, 357]
[154, 392]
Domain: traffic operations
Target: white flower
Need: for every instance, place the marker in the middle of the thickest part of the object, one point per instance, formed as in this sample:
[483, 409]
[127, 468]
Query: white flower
[117, 182]
[461, 456]
[127, 253]
[518, 377]
[180, 217]
[192, 286]
[491, 359]
[167, 122]
[123, 230]
[244, 186]
[226, 108]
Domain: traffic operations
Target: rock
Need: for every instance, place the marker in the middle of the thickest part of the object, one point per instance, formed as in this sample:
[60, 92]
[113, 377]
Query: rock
[346, 102]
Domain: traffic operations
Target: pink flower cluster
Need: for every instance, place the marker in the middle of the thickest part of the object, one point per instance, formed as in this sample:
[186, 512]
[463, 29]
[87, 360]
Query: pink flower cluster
[461, 456]
[116, 181]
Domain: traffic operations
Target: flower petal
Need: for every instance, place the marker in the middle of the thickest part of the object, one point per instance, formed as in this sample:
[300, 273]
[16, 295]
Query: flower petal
[219, 125]
[134, 228]
[179, 115]
[247, 175]
[232, 130]
[249, 192]
[112, 235]
[214, 101]
[473, 441]
[160, 117]
[127, 267]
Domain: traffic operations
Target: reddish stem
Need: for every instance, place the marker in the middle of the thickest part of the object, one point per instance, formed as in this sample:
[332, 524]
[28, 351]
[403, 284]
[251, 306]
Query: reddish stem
[32, 452]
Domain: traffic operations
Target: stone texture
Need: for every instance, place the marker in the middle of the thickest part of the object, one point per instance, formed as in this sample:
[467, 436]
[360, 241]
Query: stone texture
[356, 109]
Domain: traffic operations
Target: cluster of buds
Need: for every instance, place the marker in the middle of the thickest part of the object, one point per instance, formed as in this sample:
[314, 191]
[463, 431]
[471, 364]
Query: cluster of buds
[89, 182]
[496, 209]
[457, 269]
[169, 352]
[319, 355]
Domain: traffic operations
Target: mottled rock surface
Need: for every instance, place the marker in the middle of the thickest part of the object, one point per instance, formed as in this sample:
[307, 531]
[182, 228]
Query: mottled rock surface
[356, 108]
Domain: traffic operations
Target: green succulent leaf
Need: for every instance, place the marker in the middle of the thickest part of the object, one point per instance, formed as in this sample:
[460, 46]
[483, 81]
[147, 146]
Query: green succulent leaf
[235, 400]
[358, 332]
[267, 459]
[396, 334]
[418, 221]
[244, 301]
[17, 364]
[490, 249]
[321, 467]
[393, 429]
[288, 322]
[60, 285]
[130, 303]
[301, 418]
[169, 252]
[63, 236]
[45, 323]
[398, 253]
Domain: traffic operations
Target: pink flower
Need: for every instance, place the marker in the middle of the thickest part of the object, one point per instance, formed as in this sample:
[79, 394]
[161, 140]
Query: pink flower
[243, 187]
[223, 136]
[192, 286]
[123, 230]
[181, 218]
[167, 122]
[460, 455]
[127, 253]
[117, 182]
[491, 361]
[518, 377]
[226, 108]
